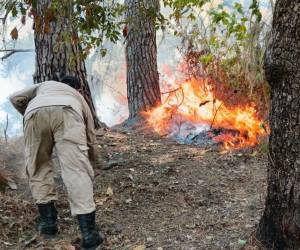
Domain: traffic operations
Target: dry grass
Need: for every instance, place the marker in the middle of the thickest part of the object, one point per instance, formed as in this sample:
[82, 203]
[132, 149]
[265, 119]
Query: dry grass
[11, 156]
[3, 162]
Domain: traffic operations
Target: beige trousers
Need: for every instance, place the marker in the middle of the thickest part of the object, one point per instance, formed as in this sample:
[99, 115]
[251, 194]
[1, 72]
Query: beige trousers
[60, 127]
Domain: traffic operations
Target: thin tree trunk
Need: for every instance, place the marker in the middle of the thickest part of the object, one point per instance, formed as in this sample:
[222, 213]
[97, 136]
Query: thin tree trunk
[55, 57]
[143, 90]
[279, 227]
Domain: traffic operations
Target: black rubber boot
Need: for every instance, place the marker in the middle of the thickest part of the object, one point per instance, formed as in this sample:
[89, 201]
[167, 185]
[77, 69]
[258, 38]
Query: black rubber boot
[47, 221]
[91, 237]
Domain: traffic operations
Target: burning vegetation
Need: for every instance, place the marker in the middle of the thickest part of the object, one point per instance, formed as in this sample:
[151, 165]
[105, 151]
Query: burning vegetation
[194, 112]
[223, 98]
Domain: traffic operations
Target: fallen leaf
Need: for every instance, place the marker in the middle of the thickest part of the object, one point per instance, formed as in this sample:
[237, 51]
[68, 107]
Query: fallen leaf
[128, 200]
[14, 33]
[130, 176]
[202, 152]
[32, 240]
[254, 153]
[149, 239]
[140, 247]
[100, 201]
[109, 192]
[223, 152]
[69, 247]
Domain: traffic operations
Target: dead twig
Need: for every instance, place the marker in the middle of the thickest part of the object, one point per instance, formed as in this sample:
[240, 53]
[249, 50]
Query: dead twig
[6, 129]
[215, 115]
[174, 91]
[204, 103]
[171, 91]
[10, 52]
[112, 88]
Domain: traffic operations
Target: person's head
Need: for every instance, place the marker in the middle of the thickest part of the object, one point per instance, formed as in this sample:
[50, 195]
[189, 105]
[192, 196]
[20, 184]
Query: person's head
[72, 81]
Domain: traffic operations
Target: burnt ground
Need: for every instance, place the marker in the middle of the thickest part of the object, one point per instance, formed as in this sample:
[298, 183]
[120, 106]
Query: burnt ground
[152, 193]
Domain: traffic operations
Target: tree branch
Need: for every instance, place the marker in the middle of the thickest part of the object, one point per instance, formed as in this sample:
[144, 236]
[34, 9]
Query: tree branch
[10, 52]
[8, 9]
[6, 129]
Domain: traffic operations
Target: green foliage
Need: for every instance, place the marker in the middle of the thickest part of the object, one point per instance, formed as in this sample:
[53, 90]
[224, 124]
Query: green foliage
[182, 4]
[96, 21]
[254, 7]
[91, 22]
[207, 59]
[232, 25]
[181, 7]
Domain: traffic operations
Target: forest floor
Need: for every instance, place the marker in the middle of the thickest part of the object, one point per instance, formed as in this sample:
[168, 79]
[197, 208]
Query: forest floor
[151, 193]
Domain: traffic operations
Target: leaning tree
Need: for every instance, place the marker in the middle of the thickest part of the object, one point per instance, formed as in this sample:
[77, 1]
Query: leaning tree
[279, 227]
[143, 90]
[57, 48]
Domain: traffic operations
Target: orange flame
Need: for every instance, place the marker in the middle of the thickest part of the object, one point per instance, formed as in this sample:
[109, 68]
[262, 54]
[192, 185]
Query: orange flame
[194, 101]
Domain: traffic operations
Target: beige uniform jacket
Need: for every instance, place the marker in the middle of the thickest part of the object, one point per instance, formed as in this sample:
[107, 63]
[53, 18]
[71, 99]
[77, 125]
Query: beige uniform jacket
[52, 93]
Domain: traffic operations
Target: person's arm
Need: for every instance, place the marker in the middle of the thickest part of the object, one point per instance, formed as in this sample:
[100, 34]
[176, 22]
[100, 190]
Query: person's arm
[90, 133]
[20, 99]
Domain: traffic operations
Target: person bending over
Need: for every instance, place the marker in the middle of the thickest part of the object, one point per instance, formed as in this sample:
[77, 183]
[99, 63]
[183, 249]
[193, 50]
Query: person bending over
[57, 116]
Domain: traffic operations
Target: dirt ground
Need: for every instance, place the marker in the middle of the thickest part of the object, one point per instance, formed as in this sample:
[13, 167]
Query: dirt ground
[151, 193]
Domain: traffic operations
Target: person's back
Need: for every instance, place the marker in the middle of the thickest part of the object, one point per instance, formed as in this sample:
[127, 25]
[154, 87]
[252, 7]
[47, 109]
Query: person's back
[49, 93]
[56, 115]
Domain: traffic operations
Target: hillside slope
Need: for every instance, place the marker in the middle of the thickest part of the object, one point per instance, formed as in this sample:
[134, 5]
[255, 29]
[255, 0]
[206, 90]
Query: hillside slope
[153, 193]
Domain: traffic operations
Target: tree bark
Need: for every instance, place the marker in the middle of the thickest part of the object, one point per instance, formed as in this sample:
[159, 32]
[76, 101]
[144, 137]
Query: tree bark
[54, 56]
[143, 90]
[279, 227]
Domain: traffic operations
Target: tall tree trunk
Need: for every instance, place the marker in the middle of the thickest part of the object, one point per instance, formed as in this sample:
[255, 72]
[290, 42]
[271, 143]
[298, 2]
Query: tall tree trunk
[280, 225]
[143, 90]
[55, 57]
